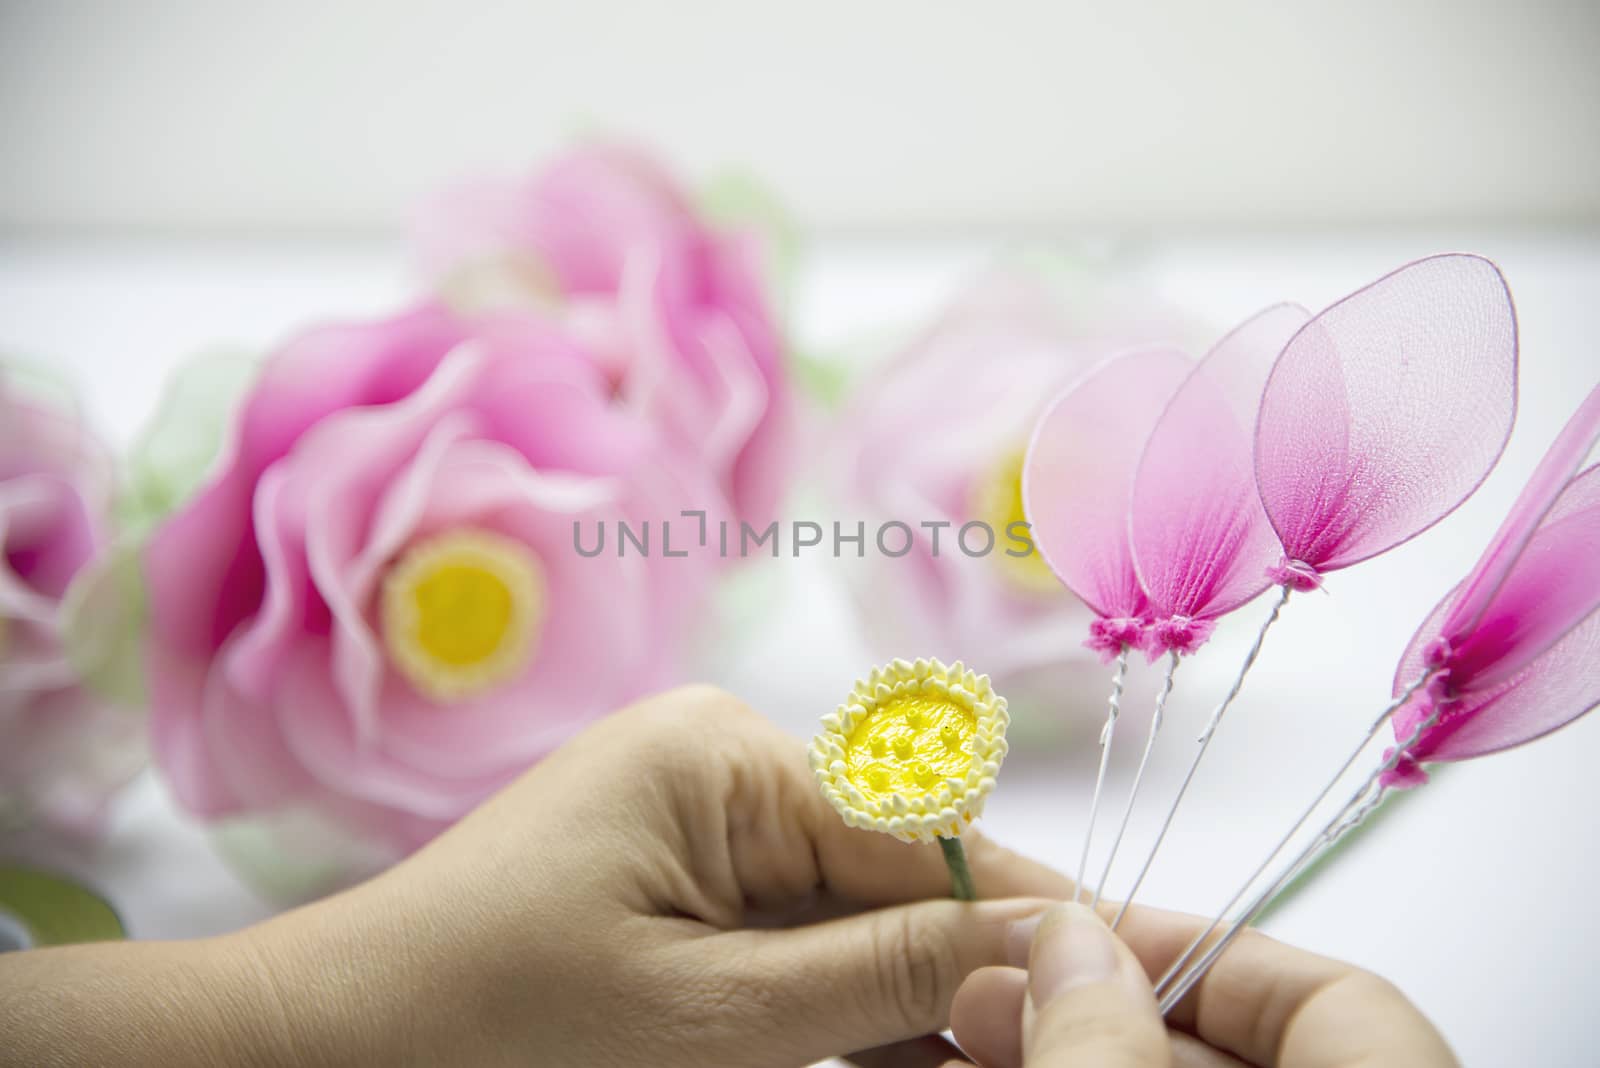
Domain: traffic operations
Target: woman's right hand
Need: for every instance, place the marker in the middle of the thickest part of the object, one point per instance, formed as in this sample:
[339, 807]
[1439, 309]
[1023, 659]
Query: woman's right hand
[1085, 1001]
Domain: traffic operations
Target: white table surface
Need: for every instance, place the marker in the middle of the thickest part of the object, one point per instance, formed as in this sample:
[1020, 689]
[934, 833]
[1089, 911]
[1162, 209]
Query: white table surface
[1476, 897]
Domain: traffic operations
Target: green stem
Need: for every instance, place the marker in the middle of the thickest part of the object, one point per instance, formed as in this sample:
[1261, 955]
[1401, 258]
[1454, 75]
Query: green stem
[955, 857]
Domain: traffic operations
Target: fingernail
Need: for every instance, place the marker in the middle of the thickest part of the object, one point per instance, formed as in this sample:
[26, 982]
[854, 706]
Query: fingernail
[1072, 948]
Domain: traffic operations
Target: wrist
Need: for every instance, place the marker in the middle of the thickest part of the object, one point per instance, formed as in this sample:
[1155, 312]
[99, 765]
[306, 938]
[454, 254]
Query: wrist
[360, 979]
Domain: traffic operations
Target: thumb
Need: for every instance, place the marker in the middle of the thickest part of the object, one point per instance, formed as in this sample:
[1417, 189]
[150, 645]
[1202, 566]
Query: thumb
[1089, 1003]
[870, 979]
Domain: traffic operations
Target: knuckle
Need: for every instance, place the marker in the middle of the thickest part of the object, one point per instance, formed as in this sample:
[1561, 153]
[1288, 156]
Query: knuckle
[917, 964]
[1371, 989]
[681, 716]
[698, 705]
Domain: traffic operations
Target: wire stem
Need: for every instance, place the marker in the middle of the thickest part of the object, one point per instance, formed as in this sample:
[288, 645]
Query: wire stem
[1205, 742]
[1305, 817]
[1107, 734]
[1138, 775]
[1361, 805]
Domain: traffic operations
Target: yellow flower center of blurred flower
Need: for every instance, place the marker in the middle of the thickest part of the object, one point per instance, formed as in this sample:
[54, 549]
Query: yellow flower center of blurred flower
[462, 611]
[998, 502]
[506, 280]
[910, 745]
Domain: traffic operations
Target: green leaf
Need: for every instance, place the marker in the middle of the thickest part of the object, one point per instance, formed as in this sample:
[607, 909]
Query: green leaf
[55, 911]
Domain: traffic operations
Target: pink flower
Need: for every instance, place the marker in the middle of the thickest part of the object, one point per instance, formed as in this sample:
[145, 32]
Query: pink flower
[671, 309]
[1513, 652]
[64, 749]
[376, 606]
[939, 436]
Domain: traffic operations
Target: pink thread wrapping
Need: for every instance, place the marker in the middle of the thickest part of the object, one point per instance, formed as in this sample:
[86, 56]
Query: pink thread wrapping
[1296, 574]
[1180, 633]
[1108, 637]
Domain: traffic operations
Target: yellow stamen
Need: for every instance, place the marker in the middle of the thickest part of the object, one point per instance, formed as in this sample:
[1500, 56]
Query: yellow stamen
[462, 611]
[914, 750]
[921, 757]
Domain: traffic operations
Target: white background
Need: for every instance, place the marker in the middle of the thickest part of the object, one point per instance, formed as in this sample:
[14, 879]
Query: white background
[174, 176]
[881, 115]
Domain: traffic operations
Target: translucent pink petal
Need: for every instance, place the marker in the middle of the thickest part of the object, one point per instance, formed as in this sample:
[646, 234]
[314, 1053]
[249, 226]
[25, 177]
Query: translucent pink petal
[1529, 665]
[1201, 541]
[1077, 481]
[1554, 584]
[1387, 410]
[1550, 478]
[1552, 691]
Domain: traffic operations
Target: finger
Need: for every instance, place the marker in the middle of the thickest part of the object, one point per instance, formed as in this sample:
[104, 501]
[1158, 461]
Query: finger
[1089, 1001]
[1270, 1003]
[863, 867]
[756, 828]
[868, 980]
[929, 1051]
[986, 1016]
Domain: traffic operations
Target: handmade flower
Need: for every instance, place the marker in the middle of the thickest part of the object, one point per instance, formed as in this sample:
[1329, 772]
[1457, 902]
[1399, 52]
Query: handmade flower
[1384, 413]
[1302, 444]
[914, 750]
[65, 748]
[673, 310]
[935, 440]
[1201, 541]
[1079, 479]
[376, 608]
[1513, 652]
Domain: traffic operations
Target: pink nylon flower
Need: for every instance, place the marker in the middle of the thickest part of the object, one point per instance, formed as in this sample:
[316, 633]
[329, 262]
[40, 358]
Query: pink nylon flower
[940, 435]
[1201, 541]
[64, 749]
[1515, 648]
[1078, 482]
[1386, 412]
[673, 310]
[376, 606]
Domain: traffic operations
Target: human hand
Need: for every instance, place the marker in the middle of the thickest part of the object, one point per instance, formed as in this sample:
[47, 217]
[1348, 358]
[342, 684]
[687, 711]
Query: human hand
[1086, 1000]
[669, 888]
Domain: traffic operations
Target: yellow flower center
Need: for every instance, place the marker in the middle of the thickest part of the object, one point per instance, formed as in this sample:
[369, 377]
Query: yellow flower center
[998, 502]
[462, 611]
[502, 281]
[910, 746]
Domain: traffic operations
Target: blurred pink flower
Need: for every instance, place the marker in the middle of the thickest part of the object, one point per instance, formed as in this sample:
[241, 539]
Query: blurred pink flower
[673, 310]
[939, 435]
[375, 605]
[64, 749]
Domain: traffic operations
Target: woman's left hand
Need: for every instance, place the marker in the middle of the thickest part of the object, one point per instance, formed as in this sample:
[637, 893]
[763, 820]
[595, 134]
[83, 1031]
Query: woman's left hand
[669, 888]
